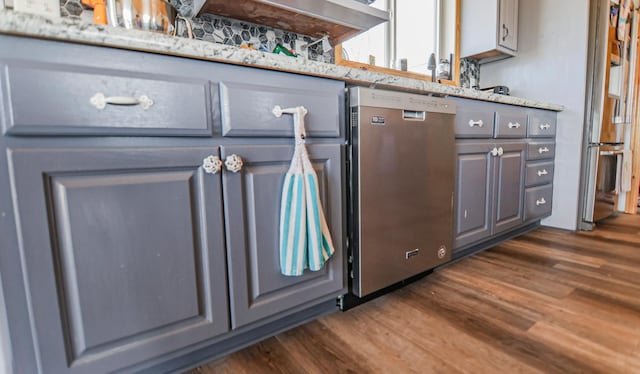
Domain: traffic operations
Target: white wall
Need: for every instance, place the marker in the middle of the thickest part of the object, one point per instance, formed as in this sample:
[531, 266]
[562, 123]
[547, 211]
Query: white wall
[551, 66]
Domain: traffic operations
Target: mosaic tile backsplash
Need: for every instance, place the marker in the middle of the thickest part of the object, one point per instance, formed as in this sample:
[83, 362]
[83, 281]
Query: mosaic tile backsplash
[223, 30]
[469, 73]
[217, 29]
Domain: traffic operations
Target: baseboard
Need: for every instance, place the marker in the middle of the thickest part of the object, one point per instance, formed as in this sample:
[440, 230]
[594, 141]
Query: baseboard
[479, 247]
[224, 347]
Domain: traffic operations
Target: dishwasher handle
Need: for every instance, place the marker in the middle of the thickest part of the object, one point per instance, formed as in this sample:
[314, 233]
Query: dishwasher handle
[413, 115]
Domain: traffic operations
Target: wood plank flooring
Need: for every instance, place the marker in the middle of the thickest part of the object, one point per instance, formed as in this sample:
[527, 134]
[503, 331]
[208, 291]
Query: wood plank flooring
[550, 301]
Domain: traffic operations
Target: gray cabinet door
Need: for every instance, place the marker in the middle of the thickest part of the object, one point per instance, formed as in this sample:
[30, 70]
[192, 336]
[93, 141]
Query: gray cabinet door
[509, 187]
[122, 251]
[473, 192]
[252, 211]
[508, 24]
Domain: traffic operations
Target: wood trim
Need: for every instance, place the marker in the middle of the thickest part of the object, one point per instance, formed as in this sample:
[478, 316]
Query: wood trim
[378, 69]
[455, 68]
[631, 205]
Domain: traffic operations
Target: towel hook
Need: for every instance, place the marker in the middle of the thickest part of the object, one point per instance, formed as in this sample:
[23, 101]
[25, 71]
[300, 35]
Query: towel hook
[278, 111]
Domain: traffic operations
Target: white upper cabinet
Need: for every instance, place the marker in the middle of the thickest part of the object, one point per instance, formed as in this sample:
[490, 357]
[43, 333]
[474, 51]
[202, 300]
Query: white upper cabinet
[489, 29]
[508, 36]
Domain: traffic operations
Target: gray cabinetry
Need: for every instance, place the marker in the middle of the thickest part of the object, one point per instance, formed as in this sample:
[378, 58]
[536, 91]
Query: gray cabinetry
[123, 253]
[541, 149]
[490, 187]
[509, 174]
[474, 183]
[503, 183]
[252, 203]
[489, 29]
[474, 119]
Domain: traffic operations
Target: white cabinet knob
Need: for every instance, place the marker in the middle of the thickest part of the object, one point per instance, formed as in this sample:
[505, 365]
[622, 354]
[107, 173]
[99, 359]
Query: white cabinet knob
[545, 126]
[541, 201]
[542, 172]
[494, 151]
[514, 125]
[212, 165]
[478, 123]
[542, 150]
[500, 151]
[233, 163]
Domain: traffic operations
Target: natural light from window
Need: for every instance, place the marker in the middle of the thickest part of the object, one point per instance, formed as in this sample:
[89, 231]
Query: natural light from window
[415, 37]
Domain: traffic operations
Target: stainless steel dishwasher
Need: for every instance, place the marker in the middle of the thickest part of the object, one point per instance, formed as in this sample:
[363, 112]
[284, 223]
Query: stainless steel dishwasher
[402, 186]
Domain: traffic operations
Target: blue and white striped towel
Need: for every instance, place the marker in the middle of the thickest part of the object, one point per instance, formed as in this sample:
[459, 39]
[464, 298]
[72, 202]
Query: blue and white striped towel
[305, 240]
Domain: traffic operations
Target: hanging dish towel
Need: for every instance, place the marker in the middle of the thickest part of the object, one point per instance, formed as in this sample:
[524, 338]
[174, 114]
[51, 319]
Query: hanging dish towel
[305, 241]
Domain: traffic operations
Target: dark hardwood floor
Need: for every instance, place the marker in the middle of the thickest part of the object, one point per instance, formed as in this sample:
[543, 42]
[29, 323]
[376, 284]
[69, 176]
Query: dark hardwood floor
[550, 301]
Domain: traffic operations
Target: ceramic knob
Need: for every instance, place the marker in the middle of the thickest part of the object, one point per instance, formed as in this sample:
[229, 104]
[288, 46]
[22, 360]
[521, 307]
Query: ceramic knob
[233, 163]
[212, 164]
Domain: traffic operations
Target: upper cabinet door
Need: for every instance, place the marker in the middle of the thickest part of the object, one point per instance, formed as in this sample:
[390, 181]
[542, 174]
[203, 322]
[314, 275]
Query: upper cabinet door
[508, 24]
[252, 207]
[122, 253]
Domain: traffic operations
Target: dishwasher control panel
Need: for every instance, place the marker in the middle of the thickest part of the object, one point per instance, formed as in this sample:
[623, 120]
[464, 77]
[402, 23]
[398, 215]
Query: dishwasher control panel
[361, 96]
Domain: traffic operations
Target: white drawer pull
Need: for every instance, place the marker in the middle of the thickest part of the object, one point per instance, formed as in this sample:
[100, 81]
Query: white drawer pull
[542, 172]
[212, 165]
[233, 163]
[478, 123]
[545, 126]
[100, 101]
[541, 201]
[514, 125]
[542, 150]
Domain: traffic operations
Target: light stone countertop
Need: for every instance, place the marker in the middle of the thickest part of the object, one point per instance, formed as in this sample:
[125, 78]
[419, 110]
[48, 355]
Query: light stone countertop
[74, 31]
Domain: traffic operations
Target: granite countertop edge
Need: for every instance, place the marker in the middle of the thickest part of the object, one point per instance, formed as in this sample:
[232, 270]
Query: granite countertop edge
[22, 24]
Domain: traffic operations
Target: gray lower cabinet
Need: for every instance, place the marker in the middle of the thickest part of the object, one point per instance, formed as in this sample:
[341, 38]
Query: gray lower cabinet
[252, 208]
[126, 251]
[474, 184]
[509, 186]
[123, 253]
[489, 189]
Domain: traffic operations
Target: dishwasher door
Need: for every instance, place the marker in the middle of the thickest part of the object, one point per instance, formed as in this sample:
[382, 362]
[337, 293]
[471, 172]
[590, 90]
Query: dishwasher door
[404, 170]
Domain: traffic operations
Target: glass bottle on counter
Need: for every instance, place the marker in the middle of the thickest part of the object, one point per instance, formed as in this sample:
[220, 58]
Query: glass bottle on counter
[443, 69]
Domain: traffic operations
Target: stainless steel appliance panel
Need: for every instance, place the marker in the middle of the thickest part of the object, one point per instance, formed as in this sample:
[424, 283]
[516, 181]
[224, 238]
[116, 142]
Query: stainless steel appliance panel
[405, 182]
[607, 177]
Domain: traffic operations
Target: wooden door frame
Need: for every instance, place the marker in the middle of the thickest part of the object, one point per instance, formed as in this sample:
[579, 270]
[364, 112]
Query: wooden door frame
[631, 205]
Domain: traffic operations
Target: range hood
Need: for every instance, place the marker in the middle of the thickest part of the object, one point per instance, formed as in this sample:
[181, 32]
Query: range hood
[340, 19]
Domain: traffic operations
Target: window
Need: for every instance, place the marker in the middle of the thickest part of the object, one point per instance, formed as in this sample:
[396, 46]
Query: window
[416, 33]
[413, 33]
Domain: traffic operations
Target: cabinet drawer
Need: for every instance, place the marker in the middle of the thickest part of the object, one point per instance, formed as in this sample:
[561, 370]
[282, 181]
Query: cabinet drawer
[538, 173]
[537, 202]
[511, 125]
[247, 105]
[64, 99]
[474, 120]
[541, 124]
[541, 150]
